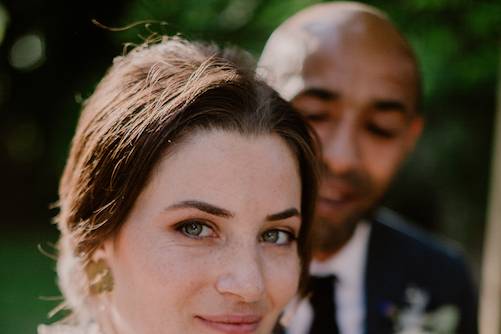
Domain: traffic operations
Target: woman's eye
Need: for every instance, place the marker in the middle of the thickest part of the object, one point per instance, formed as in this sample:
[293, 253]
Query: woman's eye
[278, 237]
[194, 229]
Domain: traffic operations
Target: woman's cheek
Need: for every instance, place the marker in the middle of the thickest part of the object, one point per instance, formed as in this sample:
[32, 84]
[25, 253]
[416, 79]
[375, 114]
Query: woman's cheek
[282, 270]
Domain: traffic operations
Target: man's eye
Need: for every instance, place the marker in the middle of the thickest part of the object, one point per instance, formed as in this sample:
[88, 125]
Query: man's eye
[278, 237]
[316, 117]
[195, 229]
[380, 132]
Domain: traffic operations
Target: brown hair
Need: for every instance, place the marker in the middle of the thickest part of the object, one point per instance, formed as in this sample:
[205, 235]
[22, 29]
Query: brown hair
[148, 100]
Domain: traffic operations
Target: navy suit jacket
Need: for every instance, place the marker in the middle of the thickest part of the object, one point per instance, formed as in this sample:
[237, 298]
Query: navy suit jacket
[407, 270]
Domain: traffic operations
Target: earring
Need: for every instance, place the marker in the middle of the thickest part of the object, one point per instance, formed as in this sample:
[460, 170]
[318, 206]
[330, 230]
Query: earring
[100, 277]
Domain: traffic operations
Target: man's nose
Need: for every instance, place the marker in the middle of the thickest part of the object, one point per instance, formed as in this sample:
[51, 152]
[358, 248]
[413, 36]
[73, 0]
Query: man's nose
[242, 276]
[340, 149]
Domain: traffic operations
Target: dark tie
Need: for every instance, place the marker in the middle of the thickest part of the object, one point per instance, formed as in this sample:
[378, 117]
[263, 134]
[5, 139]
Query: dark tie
[324, 307]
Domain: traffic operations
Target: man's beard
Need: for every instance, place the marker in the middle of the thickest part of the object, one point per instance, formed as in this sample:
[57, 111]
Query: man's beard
[329, 236]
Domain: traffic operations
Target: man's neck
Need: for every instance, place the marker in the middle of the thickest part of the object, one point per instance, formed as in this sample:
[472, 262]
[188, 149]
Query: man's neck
[322, 255]
[337, 241]
[348, 259]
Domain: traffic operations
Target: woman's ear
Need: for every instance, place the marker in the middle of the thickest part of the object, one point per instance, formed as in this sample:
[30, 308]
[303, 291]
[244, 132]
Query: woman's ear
[98, 271]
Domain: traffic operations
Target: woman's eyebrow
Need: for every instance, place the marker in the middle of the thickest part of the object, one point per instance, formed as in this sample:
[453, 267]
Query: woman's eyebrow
[291, 212]
[202, 206]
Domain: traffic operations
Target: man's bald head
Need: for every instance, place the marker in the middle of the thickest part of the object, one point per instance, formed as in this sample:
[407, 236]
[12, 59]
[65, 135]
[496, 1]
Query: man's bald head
[332, 28]
[349, 71]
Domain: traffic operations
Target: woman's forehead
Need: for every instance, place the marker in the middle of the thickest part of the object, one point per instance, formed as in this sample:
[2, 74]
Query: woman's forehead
[227, 167]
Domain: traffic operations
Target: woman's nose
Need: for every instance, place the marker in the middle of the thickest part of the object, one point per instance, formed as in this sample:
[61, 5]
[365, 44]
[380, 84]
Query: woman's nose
[242, 276]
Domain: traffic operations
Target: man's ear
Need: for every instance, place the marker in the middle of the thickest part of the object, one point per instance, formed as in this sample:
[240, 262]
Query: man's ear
[414, 132]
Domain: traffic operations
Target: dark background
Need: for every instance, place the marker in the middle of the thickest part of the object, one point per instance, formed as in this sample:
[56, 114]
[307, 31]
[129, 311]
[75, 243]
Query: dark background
[52, 55]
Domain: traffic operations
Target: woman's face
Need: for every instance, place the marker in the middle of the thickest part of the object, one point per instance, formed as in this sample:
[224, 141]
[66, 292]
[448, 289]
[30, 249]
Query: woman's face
[209, 246]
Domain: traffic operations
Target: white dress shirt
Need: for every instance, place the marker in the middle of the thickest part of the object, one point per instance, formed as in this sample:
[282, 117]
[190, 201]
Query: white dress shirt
[349, 267]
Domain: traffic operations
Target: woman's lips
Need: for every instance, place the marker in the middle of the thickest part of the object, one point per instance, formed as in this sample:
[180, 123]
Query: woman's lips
[231, 324]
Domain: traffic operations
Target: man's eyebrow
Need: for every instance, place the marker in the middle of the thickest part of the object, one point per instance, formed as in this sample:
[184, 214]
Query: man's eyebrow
[291, 212]
[320, 93]
[202, 206]
[390, 105]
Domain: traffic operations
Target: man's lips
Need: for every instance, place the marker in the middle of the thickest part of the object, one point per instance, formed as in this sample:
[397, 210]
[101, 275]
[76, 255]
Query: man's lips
[231, 324]
[335, 199]
[335, 196]
[334, 202]
[337, 193]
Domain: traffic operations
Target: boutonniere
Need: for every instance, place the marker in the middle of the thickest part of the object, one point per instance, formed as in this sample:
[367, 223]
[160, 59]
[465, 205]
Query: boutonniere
[414, 319]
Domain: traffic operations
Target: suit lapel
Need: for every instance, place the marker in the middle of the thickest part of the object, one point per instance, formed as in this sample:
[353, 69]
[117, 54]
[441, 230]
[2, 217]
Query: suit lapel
[382, 282]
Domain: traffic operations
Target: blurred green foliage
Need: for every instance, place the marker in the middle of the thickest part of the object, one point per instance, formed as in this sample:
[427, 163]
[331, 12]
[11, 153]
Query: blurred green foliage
[443, 186]
[27, 281]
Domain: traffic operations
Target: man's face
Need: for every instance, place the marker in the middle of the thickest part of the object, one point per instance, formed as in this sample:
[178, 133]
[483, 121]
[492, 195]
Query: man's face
[362, 105]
